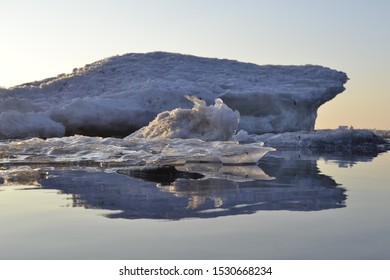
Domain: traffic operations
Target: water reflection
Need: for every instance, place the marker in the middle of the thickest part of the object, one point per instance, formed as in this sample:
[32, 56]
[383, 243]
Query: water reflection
[276, 184]
[284, 180]
[342, 158]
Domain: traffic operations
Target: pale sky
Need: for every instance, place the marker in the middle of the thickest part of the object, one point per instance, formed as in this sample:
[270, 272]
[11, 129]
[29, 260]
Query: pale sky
[44, 38]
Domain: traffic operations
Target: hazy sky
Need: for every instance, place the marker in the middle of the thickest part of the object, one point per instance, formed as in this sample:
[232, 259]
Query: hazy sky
[44, 38]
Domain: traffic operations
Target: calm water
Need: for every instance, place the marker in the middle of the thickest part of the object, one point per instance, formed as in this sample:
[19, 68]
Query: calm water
[307, 207]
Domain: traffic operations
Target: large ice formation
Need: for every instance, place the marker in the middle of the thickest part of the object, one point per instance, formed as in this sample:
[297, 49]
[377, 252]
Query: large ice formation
[118, 95]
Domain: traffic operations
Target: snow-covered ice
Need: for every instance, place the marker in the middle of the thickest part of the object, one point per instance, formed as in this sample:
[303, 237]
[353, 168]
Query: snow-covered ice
[121, 94]
[209, 123]
[341, 140]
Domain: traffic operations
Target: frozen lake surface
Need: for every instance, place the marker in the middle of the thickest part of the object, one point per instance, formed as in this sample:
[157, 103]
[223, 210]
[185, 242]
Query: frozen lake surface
[290, 206]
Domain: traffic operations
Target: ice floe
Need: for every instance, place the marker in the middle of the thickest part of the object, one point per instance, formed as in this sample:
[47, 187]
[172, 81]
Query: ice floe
[130, 151]
[325, 140]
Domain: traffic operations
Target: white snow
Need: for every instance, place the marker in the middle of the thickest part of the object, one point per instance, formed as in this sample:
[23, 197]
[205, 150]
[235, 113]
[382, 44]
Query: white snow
[119, 95]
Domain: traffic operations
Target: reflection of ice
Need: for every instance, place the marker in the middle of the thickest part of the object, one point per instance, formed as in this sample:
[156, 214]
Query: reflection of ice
[165, 175]
[297, 186]
[217, 178]
[237, 173]
[23, 175]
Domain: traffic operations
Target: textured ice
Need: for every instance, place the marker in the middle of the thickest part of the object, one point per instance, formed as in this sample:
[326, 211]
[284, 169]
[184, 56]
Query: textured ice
[340, 140]
[28, 124]
[209, 123]
[130, 151]
[119, 95]
[178, 137]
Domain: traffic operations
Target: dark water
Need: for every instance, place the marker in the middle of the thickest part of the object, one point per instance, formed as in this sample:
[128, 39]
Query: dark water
[306, 207]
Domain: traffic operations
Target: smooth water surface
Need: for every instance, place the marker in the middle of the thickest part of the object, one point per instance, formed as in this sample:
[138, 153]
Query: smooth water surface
[300, 208]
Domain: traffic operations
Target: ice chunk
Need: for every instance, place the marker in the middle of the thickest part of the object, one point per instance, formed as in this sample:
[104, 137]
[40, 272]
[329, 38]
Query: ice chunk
[192, 150]
[209, 123]
[329, 140]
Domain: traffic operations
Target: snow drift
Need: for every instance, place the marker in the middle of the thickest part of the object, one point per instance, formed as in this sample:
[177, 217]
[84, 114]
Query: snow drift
[119, 95]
